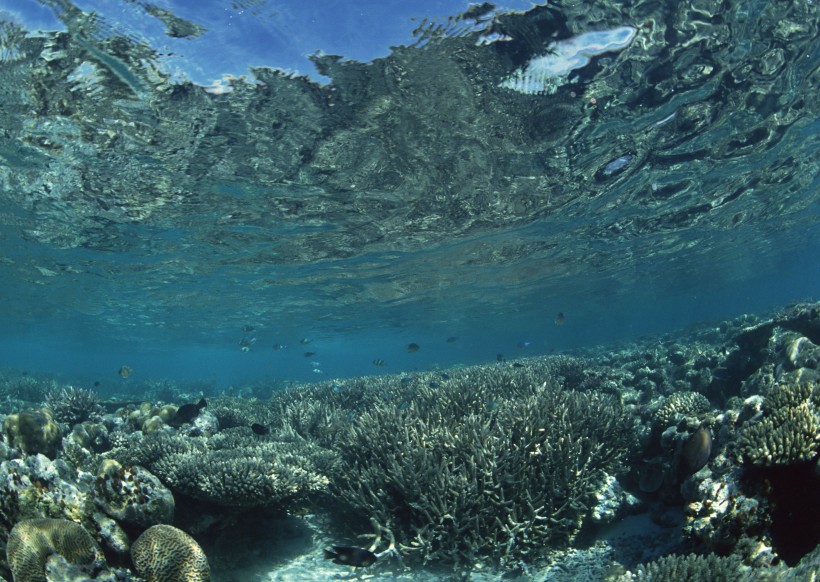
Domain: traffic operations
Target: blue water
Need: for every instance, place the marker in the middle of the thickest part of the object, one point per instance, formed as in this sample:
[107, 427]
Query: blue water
[362, 271]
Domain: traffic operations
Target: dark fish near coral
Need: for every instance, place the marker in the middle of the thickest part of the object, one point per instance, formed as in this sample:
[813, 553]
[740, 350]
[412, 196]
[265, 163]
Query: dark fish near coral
[125, 372]
[696, 451]
[247, 342]
[560, 318]
[413, 347]
[187, 412]
[500, 357]
[378, 363]
[518, 365]
[350, 556]
[259, 429]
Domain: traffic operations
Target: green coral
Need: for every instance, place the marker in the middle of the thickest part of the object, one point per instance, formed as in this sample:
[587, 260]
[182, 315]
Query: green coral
[164, 553]
[788, 433]
[691, 567]
[34, 431]
[32, 541]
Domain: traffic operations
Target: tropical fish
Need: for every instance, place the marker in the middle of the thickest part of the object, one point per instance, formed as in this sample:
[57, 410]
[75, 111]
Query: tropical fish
[560, 318]
[125, 372]
[317, 371]
[305, 341]
[444, 375]
[696, 451]
[378, 363]
[259, 429]
[351, 556]
[518, 365]
[187, 412]
[434, 384]
[452, 339]
[413, 347]
[248, 328]
[309, 354]
[279, 346]
[523, 344]
[500, 357]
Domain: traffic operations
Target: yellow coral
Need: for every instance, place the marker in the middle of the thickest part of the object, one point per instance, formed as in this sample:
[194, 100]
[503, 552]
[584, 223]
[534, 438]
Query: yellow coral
[32, 541]
[164, 553]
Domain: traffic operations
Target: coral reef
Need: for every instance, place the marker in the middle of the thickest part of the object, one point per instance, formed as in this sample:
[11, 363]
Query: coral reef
[164, 553]
[232, 472]
[73, 405]
[132, 495]
[692, 568]
[33, 431]
[32, 541]
[789, 431]
[487, 466]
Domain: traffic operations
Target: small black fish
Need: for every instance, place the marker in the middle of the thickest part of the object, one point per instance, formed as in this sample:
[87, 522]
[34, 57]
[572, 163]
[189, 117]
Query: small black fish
[444, 376]
[248, 328]
[413, 348]
[378, 363]
[259, 429]
[452, 339]
[518, 365]
[350, 556]
[187, 412]
[434, 384]
[309, 354]
[96, 383]
[560, 318]
[500, 357]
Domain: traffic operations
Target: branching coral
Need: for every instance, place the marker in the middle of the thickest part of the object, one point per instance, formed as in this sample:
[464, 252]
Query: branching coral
[74, 405]
[496, 472]
[789, 431]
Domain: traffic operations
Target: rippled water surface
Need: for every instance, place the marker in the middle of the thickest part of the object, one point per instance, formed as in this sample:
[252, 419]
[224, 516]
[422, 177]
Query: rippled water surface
[633, 166]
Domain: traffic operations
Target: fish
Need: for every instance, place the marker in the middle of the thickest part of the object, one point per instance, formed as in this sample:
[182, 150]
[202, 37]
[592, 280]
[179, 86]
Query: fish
[406, 379]
[696, 451]
[434, 384]
[309, 354]
[444, 375]
[413, 347]
[378, 363]
[452, 339]
[187, 412]
[305, 341]
[317, 371]
[248, 328]
[351, 556]
[518, 365]
[500, 357]
[247, 342]
[523, 344]
[560, 318]
[125, 372]
[259, 429]
[279, 346]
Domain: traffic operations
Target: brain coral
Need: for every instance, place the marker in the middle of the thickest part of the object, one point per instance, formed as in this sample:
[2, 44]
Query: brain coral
[32, 541]
[164, 553]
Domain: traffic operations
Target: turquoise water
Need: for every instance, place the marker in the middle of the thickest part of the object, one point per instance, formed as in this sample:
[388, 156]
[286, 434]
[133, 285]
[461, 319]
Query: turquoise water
[668, 177]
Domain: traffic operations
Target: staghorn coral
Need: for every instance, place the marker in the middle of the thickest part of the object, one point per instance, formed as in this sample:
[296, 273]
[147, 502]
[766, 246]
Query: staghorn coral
[73, 405]
[789, 432]
[486, 467]
[164, 553]
[691, 567]
[32, 541]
